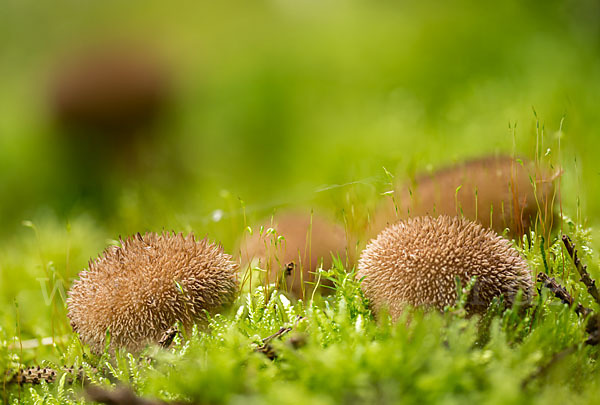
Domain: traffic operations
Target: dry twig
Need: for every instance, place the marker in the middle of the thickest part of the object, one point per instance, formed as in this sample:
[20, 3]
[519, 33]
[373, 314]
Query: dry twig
[593, 322]
[543, 369]
[120, 396]
[35, 375]
[266, 348]
[168, 337]
[561, 293]
[581, 269]
[593, 328]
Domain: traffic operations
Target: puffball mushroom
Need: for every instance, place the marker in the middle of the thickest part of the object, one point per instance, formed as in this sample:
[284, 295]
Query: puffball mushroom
[416, 261]
[138, 290]
[495, 191]
[306, 240]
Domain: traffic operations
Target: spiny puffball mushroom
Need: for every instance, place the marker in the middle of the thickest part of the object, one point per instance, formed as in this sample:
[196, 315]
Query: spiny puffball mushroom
[138, 290]
[495, 191]
[416, 261]
[308, 240]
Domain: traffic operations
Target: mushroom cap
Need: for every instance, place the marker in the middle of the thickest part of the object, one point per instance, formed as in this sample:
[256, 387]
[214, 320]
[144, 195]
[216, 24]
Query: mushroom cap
[416, 261]
[113, 89]
[309, 241]
[495, 191]
[138, 290]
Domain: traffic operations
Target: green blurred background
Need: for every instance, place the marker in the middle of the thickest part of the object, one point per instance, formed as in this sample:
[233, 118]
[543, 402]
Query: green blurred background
[278, 104]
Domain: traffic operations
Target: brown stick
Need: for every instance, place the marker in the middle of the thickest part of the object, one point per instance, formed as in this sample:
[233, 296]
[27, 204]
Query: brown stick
[593, 328]
[266, 348]
[35, 375]
[582, 269]
[561, 293]
[120, 396]
[543, 369]
[277, 334]
[168, 337]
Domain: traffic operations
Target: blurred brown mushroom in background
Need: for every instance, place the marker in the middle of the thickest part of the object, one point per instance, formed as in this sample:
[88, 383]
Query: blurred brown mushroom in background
[111, 90]
[292, 247]
[106, 102]
[496, 191]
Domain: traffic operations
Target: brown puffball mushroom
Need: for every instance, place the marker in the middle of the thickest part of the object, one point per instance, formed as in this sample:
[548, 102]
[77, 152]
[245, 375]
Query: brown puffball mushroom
[308, 241]
[415, 262]
[494, 191]
[138, 290]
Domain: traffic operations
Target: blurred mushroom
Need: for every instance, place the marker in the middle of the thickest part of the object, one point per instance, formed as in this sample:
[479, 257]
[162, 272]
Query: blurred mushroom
[114, 90]
[105, 101]
[497, 192]
[292, 247]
